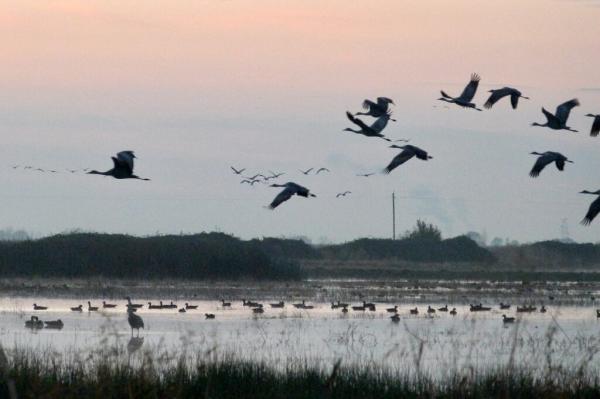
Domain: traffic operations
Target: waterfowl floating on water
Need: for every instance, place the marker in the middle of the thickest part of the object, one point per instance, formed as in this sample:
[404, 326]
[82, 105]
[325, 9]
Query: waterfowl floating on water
[209, 315]
[108, 305]
[414, 311]
[443, 309]
[77, 308]
[395, 318]
[54, 324]
[190, 307]
[34, 323]
[38, 307]
[453, 312]
[92, 308]
[225, 304]
[277, 305]
[507, 319]
[504, 305]
[392, 310]
[182, 310]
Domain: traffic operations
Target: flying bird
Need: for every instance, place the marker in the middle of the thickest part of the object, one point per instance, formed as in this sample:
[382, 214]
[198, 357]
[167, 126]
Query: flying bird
[464, 100]
[558, 121]
[322, 170]
[237, 172]
[306, 172]
[123, 167]
[503, 92]
[380, 108]
[251, 182]
[343, 194]
[408, 151]
[255, 176]
[596, 125]
[365, 174]
[276, 175]
[290, 189]
[370, 131]
[547, 158]
[594, 208]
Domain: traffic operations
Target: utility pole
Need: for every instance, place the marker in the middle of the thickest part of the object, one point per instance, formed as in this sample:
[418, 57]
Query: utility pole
[393, 215]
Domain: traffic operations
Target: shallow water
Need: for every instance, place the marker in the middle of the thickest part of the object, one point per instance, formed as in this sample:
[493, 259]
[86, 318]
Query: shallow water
[565, 335]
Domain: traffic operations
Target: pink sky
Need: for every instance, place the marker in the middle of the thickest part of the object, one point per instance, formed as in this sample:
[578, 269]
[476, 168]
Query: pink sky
[194, 86]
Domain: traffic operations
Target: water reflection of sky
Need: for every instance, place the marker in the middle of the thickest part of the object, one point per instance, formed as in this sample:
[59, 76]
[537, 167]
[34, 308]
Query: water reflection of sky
[321, 335]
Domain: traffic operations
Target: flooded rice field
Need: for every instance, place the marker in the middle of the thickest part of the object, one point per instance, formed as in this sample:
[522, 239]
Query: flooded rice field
[567, 334]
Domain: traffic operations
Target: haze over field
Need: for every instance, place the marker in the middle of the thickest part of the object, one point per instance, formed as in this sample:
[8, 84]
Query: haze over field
[194, 87]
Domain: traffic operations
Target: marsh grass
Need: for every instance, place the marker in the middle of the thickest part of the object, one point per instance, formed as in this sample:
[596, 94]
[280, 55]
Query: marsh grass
[112, 374]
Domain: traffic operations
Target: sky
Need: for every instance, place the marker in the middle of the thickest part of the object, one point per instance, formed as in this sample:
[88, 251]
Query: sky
[194, 87]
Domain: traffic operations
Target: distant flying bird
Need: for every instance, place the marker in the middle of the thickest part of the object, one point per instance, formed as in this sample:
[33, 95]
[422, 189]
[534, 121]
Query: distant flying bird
[237, 172]
[289, 190]
[251, 182]
[343, 194]
[307, 171]
[377, 109]
[15, 167]
[505, 91]
[276, 175]
[547, 158]
[134, 321]
[558, 121]
[123, 167]
[408, 151]
[594, 208]
[370, 131]
[255, 177]
[464, 100]
[365, 174]
[322, 170]
[71, 170]
[596, 125]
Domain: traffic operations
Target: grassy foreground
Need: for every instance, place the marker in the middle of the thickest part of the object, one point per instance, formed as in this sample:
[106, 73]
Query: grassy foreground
[28, 375]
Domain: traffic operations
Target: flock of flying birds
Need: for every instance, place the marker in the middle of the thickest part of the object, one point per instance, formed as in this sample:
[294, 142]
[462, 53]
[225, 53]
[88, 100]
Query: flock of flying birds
[123, 162]
[382, 112]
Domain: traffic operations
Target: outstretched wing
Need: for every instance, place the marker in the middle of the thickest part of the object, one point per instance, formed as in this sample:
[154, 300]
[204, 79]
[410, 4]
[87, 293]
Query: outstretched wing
[540, 164]
[595, 126]
[592, 212]
[126, 159]
[356, 121]
[563, 110]
[549, 116]
[368, 104]
[496, 95]
[514, 98]
[380, 123]
[560, 164]
[283, 196]
[399, 160]
[471, 88]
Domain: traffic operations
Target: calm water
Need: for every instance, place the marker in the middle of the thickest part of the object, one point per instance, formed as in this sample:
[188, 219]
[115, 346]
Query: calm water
[320, 335]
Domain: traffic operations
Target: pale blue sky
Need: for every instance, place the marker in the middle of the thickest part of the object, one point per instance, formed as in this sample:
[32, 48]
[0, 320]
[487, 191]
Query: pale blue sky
[194, 87]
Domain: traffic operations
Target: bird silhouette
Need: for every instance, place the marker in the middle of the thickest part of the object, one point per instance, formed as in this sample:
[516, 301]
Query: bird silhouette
[237, 172]
[290, 189]
[503, 92]
[376, 109]
[464, 100]
[594, 208]
[134, 321]
[558, 120]
[595, 125]
[370, 131]
[547, 158]
[408, 151]
[338, 195]
[322, 170]
[365, 174]
[123, 167]
[306, 172]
